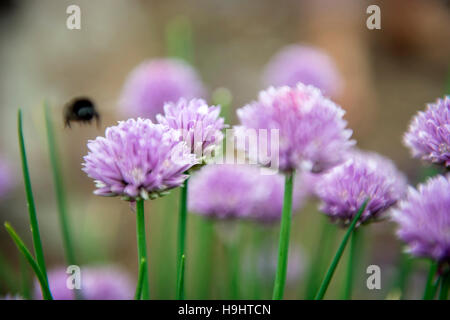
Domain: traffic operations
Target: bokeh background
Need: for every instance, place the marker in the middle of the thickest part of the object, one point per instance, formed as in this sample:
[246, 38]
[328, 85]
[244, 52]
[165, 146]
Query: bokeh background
[388, 74]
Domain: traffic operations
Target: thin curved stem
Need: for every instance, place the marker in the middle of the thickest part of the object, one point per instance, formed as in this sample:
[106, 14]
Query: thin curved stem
[445, 286]
[180, 280]
[324, 246]
[351, 266]
[59, 188]
[203, 257]
[46, 294]
[234, 258]
[182, 234]
[30, 201]
[140, 282]
[283, 249]
[340, 251]
[430, 288]
[142, 246]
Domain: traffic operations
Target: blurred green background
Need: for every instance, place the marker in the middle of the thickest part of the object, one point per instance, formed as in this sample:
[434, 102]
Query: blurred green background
[389, 75]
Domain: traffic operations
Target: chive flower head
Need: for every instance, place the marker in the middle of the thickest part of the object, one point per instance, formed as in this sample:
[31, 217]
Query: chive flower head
[155, 82]
[137, 159]
[423, 219]
[428, 135]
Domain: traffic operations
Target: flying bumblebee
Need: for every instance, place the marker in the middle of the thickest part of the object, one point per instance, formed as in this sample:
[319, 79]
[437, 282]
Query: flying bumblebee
[81, 110]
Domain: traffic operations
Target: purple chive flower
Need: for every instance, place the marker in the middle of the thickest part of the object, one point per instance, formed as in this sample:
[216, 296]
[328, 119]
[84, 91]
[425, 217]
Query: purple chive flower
[312, 131]
[137, 158]
[305, 64]
[97, 283]
[424, 219]
[428, 135]
[344, 188]
[239, 191]
[198, 124]
[155, 82]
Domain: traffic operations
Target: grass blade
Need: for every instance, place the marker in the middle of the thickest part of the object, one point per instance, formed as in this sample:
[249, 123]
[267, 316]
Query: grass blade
[7, 275]
[30, 201]
[320, 256]
[34, 265]
[337, 257]
[352, 258]
[59, 188]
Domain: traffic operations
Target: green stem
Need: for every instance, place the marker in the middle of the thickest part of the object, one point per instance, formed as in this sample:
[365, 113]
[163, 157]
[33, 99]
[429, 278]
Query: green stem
[280, 277]
[234, 258]
[26, 253]
[203, 257]
[140, 282]
[326, 281]
[142, 246]
[182, 233]
[351, 266]
[258, 234]
[430, 289]
[324, 246]
[445, 285]
[7, 274]
[179, 41]
[180, 280]
[59, 188]
[30, 201]
[404, 270]
[25, 279]
[167, 261]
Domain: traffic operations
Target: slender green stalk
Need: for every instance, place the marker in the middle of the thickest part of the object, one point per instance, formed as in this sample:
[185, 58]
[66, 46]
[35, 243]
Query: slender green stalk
[445, 286]
[7, 274]
[257, 243]
[324, 246]
[179, 39]
[142, 246]
[30, 201]
[351, 266]
[180, 280]
[166, 266]
[59, 188]
[403, 272]
[234, 258]
[25, 279]
[182, 232]
[203, 257]
[280, 277]
[26, 253]
[223, 97]
[326, 281]
[430, 289]
[140, 282]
